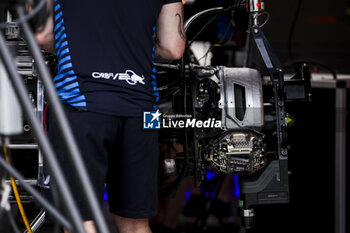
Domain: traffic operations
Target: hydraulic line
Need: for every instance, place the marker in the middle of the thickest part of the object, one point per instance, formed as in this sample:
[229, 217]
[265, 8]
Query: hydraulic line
[37, 196]
[44, 143]
[15, 191]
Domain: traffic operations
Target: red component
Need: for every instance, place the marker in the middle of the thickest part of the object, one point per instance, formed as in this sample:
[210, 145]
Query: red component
[45, 118]
[246, 6]
[258, 4]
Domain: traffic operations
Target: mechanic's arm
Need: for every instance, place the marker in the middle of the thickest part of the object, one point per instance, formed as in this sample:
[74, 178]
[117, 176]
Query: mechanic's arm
[44, 34]
[170, 36]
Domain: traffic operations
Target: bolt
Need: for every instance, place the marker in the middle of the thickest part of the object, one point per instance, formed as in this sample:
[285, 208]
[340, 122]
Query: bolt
[284, 152]
[27, 128]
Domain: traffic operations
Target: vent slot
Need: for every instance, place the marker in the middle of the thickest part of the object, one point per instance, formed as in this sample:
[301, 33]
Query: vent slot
[240, 101]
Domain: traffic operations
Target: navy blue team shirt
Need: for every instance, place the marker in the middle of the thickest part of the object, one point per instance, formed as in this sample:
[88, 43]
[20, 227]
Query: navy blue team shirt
[106, 53]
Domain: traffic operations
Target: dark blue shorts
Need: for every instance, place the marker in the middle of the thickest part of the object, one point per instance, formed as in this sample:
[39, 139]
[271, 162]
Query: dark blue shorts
[117, 152]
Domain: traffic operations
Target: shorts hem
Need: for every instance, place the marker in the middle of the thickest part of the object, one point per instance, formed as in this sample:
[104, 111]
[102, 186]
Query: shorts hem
[133, 214]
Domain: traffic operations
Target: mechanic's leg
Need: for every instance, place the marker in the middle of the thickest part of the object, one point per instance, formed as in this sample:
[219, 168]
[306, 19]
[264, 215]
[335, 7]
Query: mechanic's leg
[89, 227]
[131, 183]
[94, 137]
[129, 225]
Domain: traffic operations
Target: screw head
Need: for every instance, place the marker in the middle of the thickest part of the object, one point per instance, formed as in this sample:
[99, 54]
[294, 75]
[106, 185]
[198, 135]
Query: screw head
[284, 152]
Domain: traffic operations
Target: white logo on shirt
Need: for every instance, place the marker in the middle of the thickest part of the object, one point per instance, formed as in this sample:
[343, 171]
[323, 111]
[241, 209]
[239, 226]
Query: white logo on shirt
[129, 76]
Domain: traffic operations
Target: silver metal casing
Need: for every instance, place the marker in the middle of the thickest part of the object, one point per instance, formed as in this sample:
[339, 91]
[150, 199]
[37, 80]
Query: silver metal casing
[241, 98]
[11, 122]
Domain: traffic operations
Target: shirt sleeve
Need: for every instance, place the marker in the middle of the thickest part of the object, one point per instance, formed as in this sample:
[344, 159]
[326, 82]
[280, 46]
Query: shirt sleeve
[171, 1]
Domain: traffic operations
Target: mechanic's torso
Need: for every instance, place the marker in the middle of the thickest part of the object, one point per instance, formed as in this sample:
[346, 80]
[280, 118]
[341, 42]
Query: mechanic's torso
[105, 52]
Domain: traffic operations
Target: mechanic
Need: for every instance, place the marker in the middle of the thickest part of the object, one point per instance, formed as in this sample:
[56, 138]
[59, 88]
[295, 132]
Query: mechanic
[106, 80]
